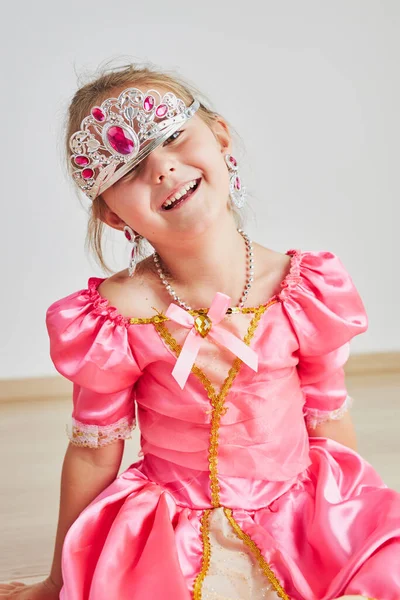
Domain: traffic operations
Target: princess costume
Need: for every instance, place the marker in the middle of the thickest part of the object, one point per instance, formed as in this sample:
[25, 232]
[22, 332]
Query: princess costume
[231, 498]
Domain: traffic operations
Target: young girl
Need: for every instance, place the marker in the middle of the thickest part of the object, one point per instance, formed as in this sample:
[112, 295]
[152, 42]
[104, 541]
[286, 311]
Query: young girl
[231, 355]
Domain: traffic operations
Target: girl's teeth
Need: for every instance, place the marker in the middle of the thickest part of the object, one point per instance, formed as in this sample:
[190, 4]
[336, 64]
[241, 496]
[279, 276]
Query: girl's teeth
[178, 196]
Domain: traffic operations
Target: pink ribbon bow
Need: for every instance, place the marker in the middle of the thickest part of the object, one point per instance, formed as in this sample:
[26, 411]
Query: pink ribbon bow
[201, 327]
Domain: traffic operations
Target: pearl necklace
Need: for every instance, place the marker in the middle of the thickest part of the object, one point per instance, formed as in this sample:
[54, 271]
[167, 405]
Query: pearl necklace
[250, 277]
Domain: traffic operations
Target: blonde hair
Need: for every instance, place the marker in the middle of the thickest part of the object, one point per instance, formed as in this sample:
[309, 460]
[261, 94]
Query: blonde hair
[108, 81]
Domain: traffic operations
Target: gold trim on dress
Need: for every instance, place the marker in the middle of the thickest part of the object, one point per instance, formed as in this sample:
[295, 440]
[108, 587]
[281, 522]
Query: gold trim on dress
[266, 569]
[160, 317]
[205, 562]
[216, 399]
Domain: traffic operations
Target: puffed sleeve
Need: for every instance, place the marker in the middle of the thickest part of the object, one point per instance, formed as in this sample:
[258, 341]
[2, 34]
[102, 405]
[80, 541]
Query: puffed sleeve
[326, 312]
[89, 345]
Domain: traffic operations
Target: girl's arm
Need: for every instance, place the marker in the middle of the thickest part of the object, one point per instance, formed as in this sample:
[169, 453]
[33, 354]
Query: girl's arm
[341, 430]
[86, 472]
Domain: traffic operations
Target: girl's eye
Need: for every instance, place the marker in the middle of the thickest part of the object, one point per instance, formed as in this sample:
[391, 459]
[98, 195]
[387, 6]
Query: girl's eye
[172, 138]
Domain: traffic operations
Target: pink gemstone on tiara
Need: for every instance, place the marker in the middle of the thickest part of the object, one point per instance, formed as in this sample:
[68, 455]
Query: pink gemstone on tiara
[238, 183]
[120, 140]
[87, 173]
[81, 160]
[98, 114]
[161, 110]
[148, 103]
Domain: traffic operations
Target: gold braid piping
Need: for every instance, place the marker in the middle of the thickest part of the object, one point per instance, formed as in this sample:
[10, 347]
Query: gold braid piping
[176, 348]
[213, 457]
[160, 317]
[205, 563]
[266, 569]
[217, 400]
[156, 319]
[219, 409]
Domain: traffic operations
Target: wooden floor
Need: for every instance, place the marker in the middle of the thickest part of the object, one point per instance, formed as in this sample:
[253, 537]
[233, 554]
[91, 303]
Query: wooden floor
[32, 446]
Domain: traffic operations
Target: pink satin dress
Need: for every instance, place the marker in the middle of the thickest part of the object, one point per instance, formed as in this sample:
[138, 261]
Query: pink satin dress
[230, 498]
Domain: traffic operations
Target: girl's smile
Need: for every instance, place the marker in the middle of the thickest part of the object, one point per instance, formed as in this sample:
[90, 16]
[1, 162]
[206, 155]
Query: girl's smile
[175, 200]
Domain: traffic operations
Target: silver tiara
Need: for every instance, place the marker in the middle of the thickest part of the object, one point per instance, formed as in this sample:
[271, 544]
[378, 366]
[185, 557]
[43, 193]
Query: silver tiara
[120, 133]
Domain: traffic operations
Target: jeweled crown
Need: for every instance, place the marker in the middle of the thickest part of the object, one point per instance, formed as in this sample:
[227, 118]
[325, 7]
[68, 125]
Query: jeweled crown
[120, 133]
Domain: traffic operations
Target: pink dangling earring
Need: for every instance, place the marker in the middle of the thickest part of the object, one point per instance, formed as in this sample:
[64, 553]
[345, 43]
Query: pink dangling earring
[236, 189]
[133, 238]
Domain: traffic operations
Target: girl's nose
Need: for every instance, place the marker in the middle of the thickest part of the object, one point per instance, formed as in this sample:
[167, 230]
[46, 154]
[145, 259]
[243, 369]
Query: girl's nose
[159, 165]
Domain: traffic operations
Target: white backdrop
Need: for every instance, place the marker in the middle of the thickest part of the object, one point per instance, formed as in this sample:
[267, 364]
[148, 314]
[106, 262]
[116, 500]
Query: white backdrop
[312, 87]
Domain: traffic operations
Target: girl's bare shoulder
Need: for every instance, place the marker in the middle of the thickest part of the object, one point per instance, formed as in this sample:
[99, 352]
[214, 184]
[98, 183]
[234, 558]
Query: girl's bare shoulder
[134, 296]
[272, 267]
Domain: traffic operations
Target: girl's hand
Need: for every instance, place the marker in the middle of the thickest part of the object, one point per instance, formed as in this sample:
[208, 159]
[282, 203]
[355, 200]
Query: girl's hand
[45, 590]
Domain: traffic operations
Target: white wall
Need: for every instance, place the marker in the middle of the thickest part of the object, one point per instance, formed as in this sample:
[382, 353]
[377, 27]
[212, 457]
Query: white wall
[312, 87]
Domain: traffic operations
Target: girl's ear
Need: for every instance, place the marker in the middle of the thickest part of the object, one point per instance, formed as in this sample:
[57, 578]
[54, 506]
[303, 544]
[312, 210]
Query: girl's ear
[110, 218]
[222, 134]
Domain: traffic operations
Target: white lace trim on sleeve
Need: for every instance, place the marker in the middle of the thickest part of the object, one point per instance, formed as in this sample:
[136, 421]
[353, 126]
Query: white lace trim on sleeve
[96, 436]
[315, 417]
